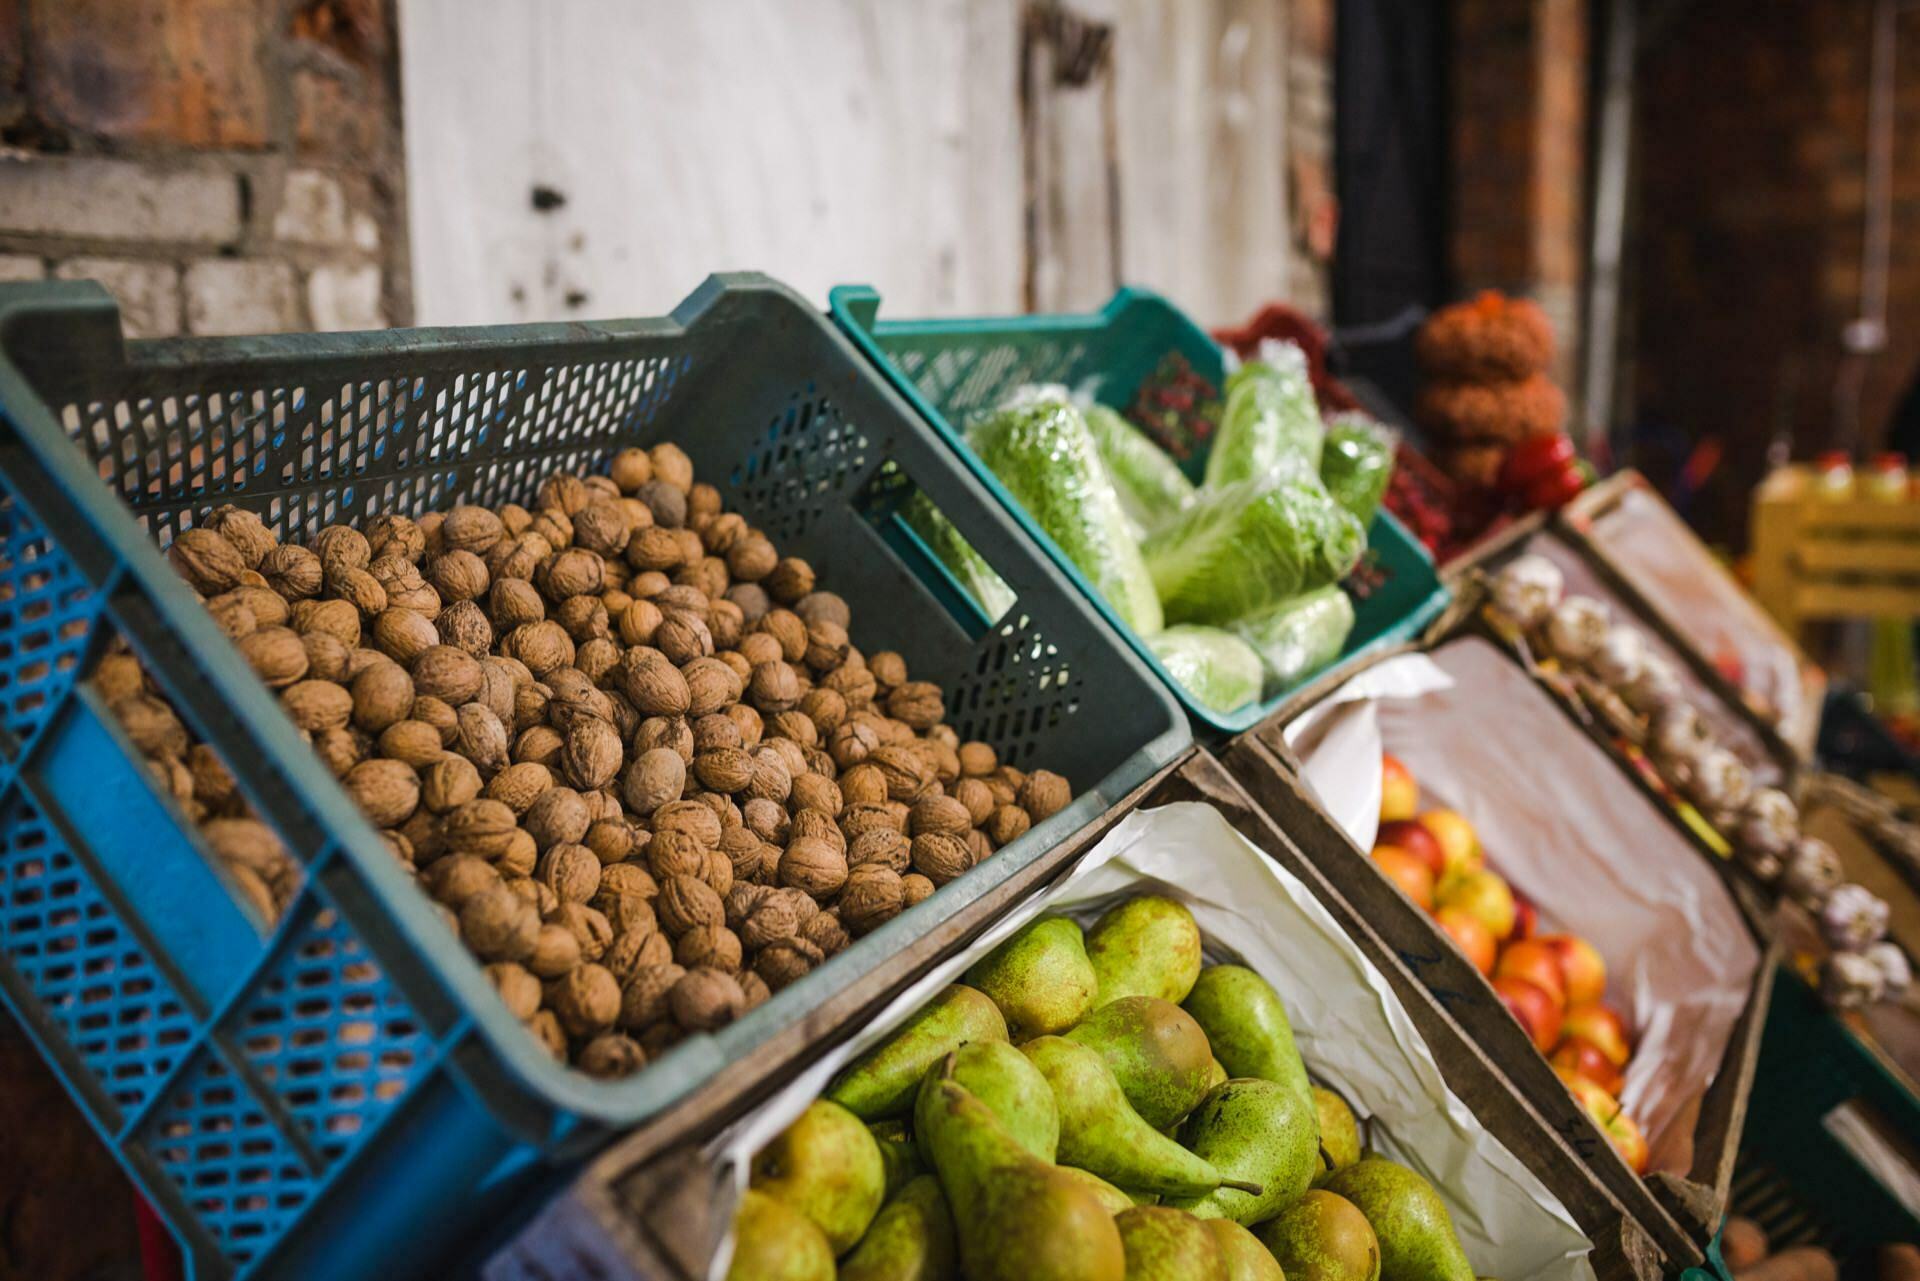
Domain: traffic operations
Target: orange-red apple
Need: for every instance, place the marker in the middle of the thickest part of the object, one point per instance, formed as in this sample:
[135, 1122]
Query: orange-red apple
[1583, 1058]
[1621, 1130]
[1413, 877]
[1399, 794]
[1538, 964]
[1413, 837]
[1526, 917]
[1482, 893]
[1538, 1012]
[1585, 971]
[1601, 1025]
[1469, 935]
[1459, 843]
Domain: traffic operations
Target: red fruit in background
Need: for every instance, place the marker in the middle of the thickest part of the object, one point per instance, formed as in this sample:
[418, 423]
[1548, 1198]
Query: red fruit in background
[1583, 1058]
[1459, 843]
[1621, 1130]
[1482, 893]
[1526, 918]
[1604, 1027]
[1473, 938]
[1538, 964]
[1583, 966]
[1406, 871]
[1399, 794]
[1534, 459]
[1538, 1012]
[1413, 837]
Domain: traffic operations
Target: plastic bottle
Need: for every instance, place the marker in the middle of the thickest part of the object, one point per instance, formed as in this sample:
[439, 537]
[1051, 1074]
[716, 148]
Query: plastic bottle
[1886, 480]
[1832, 477]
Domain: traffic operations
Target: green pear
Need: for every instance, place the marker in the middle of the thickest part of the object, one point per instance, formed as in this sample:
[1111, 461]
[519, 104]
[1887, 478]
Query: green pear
[911, 1239]
[883, 1081]
[1339, 1132]
[1146, 946]
[1016, 1218]
[1007, 1082]
[1100, 1131]
[1257, 1132]
[1245, 1258]
[827, 1166]
[897, 1153]
[1323, 1237]
[1040, 978]
[1417, 1241]
[1247, 1026]
[772, 1242]
[1156, 1051]
[1166, 1245]
[1115, 1199]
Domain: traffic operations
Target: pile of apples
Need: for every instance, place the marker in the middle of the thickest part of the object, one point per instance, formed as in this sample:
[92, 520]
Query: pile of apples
[1552, 983]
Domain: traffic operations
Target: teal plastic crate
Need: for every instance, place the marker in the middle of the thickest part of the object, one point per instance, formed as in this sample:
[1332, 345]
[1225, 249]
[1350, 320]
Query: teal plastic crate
[952, 369]
[1795, 1176]
[341, 1094]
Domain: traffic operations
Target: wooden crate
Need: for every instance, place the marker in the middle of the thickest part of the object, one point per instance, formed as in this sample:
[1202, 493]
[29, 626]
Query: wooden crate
[1680, 1212]
[653, 1206]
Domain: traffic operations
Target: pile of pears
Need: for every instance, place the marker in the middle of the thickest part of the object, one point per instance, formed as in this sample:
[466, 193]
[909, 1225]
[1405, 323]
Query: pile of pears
[1089, 1106]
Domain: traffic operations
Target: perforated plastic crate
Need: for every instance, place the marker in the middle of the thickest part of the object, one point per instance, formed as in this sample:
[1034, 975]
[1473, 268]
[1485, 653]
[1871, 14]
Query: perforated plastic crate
[341, 1095]
[952, 369]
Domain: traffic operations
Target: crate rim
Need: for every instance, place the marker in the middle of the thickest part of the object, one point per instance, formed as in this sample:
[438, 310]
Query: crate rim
[855, 308]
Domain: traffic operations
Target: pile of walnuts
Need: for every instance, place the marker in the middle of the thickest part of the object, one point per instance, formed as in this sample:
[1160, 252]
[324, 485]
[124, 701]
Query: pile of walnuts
[624, 744]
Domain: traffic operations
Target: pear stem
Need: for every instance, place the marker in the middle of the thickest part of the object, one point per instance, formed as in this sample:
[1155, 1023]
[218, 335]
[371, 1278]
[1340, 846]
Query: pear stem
[1252, 1188]
[947, 1064]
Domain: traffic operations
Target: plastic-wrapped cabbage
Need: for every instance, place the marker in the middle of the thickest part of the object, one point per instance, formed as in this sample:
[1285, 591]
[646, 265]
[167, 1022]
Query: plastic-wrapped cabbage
[1046, 458]
[968, 567]
[1271, 420]
[1357, 463]
[1244, 549]
[1152, 488]
[1299, 636]
[1216, 667]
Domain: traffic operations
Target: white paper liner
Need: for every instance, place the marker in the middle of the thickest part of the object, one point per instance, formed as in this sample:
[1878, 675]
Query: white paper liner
[1351, 1030]
[1685, 582]
[1567, 829]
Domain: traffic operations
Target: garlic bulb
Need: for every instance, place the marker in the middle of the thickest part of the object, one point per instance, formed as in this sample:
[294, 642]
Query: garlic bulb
[1621, 658]
[1813, 872]
[1657, 686]
[1576, 628]
[1527, 590]
[1675, 736]
[1895, 971]
[1852, 918]
[1770, 822]
[1720, 781]
[1849, 981]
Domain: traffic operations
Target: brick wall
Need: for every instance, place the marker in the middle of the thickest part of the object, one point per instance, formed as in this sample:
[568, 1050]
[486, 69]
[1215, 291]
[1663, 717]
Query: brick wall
[1751, 188]
[1519, 82]
[223, 166]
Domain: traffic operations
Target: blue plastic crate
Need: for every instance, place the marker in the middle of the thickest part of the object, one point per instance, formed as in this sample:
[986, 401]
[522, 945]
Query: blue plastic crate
[341, 1094]
[952, 369]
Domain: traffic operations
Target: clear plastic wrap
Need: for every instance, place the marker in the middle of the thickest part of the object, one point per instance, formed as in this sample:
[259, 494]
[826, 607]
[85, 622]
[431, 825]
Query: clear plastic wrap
[967, 566]
[1214, 666]
[1244, 549]
[1045, 455]
[1357, 463]
[1152, 488]
[1299, 636]
[1271, 420]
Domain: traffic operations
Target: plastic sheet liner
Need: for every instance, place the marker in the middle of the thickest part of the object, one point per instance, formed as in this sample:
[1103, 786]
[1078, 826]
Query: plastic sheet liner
[1351, 1029]
[1561, 822]
[1045, 456]
[1650, 541]
[1299, 636]
[1271, 420]
[1244, 549]
[1216, 667]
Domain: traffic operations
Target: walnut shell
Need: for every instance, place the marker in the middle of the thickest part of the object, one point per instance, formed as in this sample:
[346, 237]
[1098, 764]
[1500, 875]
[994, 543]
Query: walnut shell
[450, 783]
[813, 865]
[644, 998]
[317, 705]
[404, 635]
[724, 769]
[471, 529]
[481, 738]
[382, 694]
[713, 946]
[611, 1056]
[519, 990]
[941, 856]
[293, 572]
[586, 1000]
[905, 771]
[916, 888]
[871, 897]
[555, 952]
[919, 703]
[786, 962]
[480, 827]
[882, 846]
[1009, 823]
[276, 654]
[686, 903]
[570, 871]
[593, 754]
[386, 791]
[558, 816]
[499, 925]
[705, 999]
[209, 563]
[1043, 794]
[655, 685]
[518, 786]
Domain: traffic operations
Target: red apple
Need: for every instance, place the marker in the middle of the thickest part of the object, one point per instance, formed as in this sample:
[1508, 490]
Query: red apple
[1469, 935]
[1482, 893]
[1415, 839]
[1406, 871]
[1538, 964]
[1585, 970]
[1399, 794]
[1621, 1130]
[1526, 917]
[1538, 1012]
[1603, 1027]
[1583, 1058]
[1459, 844]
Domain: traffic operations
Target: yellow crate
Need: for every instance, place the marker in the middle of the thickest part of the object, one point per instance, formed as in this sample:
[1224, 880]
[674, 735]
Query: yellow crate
[1820, 560]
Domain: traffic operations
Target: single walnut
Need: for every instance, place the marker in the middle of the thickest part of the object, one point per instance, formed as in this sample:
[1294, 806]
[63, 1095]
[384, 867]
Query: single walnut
[670, 732]
[786, 962]
[590, 927]
[871, 897]
[458, 877]
[741, 902]
[570, 871]
[276, 654]
[773, 918]
[245, 531]
[404, 635]
[940, 856]
[357, 587]
[593, 754]
[316, 705]
[393, 535]
[328, 658]
[519, 990]
[464, 626]
[785, 627]
[724, 769]
[586, 999]
[480, 827]
[692, 817]
[827, 710]
[293, 572]
[976, 798]
[664, 502]
[451, 675]
[633, 947]
[336, 618]
[939, 814]
[1009, 823]
[471, 529]
[584, 618]
[610, 839]
[268, 607]
[1043, 794]
[687, 902]
[644, 996]
[656, 777]
[519, 786]
[519, 858]
[630, 469]
[713, 946]
[499, 925]
[827, 645]
[881, 846]
[825, 932]
[611, 1056]
[602, 528]
[682, 638]
[705, 999]
[555, 952]
[449, 783]
[514, 602]
[386, 791]
[557, 816]
[412, 742]
[209, 563]
[711, 686]
[542, 646]
[342, 547]
[919, 703]
[906, 773]
[916, 888]
[791, 579]
[481, 738]
[382, 694]
[853, 683]
[813, 865]
[816, 792]
[774, 687]
[541, 743]
[545, 1028]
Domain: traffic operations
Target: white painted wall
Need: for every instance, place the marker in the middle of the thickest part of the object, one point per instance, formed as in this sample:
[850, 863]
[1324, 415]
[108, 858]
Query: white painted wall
[831, 141]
